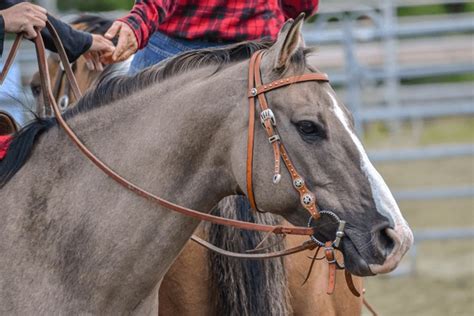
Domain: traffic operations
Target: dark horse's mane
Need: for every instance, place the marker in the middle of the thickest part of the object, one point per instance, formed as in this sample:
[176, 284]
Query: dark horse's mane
[93, 23]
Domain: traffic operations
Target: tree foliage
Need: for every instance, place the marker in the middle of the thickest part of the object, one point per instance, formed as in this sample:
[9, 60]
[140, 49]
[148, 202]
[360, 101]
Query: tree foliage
[95, 5]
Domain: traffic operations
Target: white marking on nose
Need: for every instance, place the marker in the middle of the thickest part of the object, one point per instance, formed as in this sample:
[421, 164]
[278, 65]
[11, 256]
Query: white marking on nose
[383, 198]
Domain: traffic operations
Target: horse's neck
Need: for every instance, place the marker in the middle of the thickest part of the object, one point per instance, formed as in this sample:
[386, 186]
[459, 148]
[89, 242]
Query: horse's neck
[95, 235]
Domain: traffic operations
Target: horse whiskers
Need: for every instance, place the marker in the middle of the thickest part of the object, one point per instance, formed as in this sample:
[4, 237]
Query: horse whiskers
[313, 260]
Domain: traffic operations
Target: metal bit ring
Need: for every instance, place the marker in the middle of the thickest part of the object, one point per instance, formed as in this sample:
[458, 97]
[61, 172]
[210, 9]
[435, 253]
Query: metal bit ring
[339, 233]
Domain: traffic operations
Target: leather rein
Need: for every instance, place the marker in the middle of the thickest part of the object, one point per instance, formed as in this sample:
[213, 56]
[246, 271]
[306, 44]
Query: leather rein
[256, 92]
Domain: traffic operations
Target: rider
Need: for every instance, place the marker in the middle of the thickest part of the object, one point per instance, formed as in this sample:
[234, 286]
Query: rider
[163, 28]
[22, 17]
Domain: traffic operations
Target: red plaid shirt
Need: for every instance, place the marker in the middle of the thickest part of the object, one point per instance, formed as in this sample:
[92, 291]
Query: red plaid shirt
[214, 20]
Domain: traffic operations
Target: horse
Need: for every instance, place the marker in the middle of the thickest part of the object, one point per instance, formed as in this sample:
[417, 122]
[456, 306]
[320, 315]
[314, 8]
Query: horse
[73, 240]
[85, 78]
[186, 291]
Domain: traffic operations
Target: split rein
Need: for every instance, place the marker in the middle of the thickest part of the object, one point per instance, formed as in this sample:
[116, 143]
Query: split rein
[256, 92]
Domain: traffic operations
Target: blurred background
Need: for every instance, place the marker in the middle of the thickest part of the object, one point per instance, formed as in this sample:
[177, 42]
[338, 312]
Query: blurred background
[405, 68]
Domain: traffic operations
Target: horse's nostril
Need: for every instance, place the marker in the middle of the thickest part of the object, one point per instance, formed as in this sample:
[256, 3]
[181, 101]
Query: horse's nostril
[385, 242]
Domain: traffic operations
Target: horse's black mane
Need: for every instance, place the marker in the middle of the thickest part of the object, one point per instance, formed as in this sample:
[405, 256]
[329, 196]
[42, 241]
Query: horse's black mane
[113, 88]
[93, 23]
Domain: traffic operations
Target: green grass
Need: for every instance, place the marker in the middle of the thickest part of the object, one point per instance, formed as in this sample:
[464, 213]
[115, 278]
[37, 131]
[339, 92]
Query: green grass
[422, 133]
[467, 77]
[435, 9]
[95, 5]
[448, 130]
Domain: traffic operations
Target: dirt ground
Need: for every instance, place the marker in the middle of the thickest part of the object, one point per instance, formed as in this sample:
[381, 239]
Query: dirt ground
[442, 282]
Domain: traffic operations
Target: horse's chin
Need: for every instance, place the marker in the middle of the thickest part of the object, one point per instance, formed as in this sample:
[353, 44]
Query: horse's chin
[353, 260]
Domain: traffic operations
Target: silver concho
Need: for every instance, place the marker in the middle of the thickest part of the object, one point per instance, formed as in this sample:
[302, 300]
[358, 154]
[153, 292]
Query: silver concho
[276, 178]
[307, 199]
[298, 183]
[63, 102]
[253, 91]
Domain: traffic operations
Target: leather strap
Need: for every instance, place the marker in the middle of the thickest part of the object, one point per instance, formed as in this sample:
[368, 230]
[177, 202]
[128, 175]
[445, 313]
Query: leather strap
[331, 259]
[350, 283]
[49, 99]
[58, 82]
[10, 58]
[369, 307]
[250, 139]
[256, 90]
[307, 245]
[289, 80]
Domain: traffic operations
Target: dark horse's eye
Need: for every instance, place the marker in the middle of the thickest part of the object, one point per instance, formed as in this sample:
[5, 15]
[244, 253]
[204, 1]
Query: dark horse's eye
[35, 90]
[311, 131]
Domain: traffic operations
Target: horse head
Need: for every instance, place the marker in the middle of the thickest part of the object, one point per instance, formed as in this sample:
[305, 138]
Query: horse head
[91, 23]
[317, 131]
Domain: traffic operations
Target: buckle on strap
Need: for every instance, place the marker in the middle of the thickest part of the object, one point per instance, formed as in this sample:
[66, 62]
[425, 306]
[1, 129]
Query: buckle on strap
[273, 138]
[267, 115]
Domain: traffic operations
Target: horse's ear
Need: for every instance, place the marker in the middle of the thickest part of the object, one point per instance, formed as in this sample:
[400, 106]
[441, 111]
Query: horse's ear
[288, 41]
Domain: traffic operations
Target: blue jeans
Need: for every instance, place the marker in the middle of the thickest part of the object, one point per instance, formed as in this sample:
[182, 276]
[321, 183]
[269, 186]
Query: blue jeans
[160, 47]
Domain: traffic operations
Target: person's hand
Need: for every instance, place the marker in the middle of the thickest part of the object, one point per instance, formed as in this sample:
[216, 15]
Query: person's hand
[100, 47]
[127, 42]
[24, 18]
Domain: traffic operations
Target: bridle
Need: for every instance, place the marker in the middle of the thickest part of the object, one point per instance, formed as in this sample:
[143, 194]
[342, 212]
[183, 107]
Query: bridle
[60, 81]
[256, 91]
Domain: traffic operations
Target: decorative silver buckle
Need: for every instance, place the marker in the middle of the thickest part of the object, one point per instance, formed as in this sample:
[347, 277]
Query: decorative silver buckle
[267, 115]
[273, 138]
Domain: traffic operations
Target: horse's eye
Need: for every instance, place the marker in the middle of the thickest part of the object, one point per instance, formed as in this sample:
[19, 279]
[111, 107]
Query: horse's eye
[35, 90]
[310, 130]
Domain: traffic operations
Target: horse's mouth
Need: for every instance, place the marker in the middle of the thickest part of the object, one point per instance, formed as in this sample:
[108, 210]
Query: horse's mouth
[353, 261]
[387, 253]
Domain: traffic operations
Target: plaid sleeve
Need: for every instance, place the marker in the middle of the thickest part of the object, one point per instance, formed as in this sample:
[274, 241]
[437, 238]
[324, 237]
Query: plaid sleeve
[145, 17]
[292, 8]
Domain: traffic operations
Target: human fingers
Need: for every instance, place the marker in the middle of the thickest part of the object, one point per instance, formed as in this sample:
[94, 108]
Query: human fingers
[38, 12]
[89, 64]
[29, 31]
[122, 46]
[126, 46]
[126, 54]
[37, 23]
[37, 8]
[106, 58]
[40, 16]
[93, 61]
[113, 30]
[100, 43]
[96, 61]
